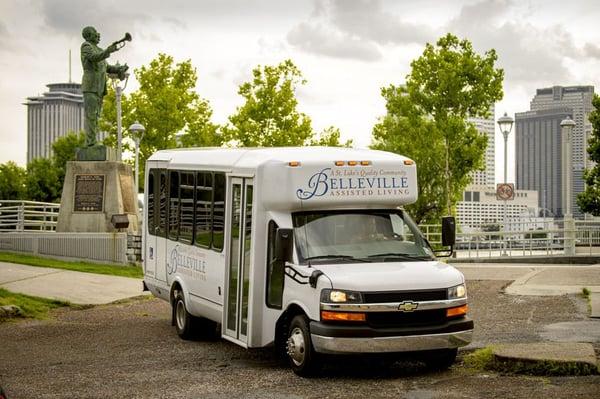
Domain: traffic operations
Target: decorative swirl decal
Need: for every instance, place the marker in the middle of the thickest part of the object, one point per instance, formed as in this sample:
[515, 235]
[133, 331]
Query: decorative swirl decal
[318, 184]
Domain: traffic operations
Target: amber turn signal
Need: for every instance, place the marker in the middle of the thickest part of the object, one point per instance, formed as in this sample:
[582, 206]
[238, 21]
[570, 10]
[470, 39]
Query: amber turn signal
[342, 316]
[409, 162]
[459, 311]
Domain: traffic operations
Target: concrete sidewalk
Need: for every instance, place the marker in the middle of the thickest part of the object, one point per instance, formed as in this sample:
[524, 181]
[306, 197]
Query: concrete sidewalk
[75, 287]
[541, 280]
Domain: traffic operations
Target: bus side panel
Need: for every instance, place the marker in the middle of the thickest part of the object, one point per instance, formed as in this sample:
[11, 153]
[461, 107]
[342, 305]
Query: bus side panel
[202, 272]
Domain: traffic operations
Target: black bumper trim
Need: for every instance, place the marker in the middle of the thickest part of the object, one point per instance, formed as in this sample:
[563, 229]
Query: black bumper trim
[360, 331]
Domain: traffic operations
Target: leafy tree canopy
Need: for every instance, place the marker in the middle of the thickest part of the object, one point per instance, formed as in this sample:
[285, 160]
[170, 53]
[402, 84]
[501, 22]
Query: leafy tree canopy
[167, 104]
[269, 117]
[12, 181]
[589, 200]
[426, 120]
[42, 181]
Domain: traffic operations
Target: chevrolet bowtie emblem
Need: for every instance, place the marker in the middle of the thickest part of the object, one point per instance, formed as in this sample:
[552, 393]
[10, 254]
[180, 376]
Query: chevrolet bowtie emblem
[408, 306]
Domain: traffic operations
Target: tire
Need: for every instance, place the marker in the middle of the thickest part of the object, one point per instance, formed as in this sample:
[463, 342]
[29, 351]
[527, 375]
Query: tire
[441, 359]
[184, 321]
[300, 352]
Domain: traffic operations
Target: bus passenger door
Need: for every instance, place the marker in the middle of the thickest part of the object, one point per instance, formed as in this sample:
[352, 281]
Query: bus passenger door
[236, 315]
[155, 221]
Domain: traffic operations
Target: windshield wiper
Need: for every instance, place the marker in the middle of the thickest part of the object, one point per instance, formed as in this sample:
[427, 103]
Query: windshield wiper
[331, 256]
[400, 255]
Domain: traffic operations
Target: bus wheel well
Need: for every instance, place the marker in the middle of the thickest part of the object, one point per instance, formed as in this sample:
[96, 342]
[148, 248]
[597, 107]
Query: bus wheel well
[281, 329]
[174, 288]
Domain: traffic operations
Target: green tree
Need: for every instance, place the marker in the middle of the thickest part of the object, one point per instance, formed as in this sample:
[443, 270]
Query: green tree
[166, 103]
[12, 181]
[42, 181]
[330, 137]
[426, 120]
[589, 200]
[269, 116]
[64, 150]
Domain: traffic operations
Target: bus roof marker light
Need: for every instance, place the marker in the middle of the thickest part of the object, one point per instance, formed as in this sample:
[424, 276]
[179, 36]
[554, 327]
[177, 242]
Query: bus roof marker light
[365, 163]
[294, 164]
[409, 162]
[339, 163]
[352, 163]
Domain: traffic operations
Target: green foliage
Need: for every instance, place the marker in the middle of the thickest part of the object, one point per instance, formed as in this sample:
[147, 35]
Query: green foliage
[64, 149]
[31, 306]
[479, 360]
[426, 120]
[269, 116]
[166, 103]
[86, 267]
[589, 200]
[42, 181]
[12, 181]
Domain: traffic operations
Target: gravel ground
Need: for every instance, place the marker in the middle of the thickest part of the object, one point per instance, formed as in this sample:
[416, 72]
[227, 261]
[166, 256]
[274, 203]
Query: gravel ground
[130, 350]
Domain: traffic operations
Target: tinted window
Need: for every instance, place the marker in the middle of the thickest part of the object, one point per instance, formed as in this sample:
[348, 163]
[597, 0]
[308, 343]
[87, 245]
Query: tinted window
[173, 205]
[151, 203]
[204, 194]
[162, 212]
[274, 270]
[219, 211]
[186, 207]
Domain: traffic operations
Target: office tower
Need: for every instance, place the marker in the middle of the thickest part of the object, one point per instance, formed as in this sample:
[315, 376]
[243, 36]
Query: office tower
[486, 126]
[52, 115]
[538, 144]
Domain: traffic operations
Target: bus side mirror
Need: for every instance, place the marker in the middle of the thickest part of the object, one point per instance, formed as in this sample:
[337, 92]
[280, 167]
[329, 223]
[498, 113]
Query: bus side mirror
[448, 231]
[284, 245]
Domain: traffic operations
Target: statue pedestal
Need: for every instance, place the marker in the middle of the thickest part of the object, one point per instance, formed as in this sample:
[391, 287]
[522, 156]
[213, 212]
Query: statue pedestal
[93, 192]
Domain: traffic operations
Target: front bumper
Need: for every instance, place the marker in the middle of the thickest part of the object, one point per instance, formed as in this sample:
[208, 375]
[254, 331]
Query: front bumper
[348, 340]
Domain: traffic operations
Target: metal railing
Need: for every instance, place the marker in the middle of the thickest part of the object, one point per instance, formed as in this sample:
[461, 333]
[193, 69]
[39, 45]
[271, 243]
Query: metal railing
[546, 238]
[18, 215]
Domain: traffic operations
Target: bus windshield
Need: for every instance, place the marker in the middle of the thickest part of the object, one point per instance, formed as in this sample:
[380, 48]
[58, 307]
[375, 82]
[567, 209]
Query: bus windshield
[358, 236]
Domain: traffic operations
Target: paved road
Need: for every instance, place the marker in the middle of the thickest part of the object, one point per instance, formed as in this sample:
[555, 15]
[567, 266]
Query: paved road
[75, 287]
[130, 350]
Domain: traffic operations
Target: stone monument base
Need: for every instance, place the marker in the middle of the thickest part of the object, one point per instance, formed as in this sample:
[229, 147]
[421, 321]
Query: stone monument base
[93, 192]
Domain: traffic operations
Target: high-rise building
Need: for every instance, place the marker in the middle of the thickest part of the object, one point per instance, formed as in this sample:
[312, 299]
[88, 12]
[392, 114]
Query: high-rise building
[538, 144]
[486, 126]
[52, 115]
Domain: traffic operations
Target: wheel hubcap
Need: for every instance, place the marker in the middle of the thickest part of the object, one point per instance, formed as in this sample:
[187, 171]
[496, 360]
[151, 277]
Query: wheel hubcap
[296, 348]
[180, 314]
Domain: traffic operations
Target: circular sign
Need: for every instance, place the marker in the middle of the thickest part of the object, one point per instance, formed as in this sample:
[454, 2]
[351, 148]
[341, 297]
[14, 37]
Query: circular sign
[505, 191]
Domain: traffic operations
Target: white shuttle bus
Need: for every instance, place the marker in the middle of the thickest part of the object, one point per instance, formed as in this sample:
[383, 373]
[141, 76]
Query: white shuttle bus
[308, 249]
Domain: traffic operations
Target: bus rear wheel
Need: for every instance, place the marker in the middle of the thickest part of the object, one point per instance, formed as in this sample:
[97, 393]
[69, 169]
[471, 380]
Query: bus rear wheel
[183, 319]
[301, 355]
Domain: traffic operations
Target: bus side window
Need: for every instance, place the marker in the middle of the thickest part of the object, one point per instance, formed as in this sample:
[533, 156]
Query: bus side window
[204, 204]
[218, 223]
[161, 228]
[186, 207]
[173, 205]
[150, 189]
[275, 274]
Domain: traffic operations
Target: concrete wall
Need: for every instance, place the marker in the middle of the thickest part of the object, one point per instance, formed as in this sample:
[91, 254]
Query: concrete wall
[91, 247]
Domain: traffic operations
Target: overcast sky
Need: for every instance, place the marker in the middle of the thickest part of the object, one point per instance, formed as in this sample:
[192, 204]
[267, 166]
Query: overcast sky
[347, 49]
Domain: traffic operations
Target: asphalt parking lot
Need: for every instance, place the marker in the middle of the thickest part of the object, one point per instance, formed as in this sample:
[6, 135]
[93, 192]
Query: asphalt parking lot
[130, 350]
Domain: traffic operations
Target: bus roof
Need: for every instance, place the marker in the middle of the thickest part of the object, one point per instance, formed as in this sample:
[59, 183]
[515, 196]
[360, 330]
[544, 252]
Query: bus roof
[252, 158]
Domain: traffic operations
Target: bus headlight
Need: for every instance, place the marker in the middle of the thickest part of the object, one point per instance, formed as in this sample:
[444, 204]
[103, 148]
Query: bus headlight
[459, 291]
[340, 296]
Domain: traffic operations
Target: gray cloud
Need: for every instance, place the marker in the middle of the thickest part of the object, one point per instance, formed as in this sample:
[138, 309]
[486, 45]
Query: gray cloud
[315, 38]
[354, 29]
[528, 54]
[367, 19]
[591, 50]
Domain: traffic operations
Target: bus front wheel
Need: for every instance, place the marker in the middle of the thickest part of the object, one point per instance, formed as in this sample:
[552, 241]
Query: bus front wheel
[302, 357]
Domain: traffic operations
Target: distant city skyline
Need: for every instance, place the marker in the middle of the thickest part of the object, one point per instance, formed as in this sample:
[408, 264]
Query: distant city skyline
[347, 50]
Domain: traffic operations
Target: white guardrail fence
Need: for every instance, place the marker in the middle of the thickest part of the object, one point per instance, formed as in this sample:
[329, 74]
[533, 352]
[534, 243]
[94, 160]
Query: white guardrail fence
[542, 238]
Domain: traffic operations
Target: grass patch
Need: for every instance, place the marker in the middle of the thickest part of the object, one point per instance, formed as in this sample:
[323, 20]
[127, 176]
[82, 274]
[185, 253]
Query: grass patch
[32, 307]
[86, 267]
[587, 295]
[485, 360]
[479, 360]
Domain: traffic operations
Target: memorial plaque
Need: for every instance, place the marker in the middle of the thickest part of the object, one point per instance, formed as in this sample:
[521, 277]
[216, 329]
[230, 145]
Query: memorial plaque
[89, 193]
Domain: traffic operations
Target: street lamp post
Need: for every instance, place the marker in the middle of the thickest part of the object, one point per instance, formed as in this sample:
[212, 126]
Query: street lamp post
[137, 131]
[567, 126]
[118, 93]
[505, 123]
